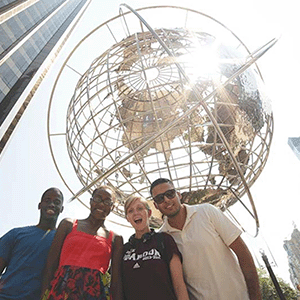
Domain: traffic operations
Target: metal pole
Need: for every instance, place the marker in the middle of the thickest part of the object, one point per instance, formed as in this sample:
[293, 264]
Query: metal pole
[272, 275]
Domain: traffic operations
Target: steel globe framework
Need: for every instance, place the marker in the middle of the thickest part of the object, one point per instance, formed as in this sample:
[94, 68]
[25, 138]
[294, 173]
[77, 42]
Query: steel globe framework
[171, 102]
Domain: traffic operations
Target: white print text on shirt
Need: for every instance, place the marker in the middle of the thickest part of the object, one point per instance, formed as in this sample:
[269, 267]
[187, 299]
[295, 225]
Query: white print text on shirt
[152, 254]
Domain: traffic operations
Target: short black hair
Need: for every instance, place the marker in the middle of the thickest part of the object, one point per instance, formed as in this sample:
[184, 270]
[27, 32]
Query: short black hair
[159, 181]
[105, 188]
[53, 189]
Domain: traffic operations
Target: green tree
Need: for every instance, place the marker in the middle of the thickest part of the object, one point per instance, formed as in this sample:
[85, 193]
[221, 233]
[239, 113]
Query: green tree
[268, 289]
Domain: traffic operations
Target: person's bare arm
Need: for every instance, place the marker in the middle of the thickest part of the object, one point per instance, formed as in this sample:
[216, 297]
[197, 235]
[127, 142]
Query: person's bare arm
[177, 278]
[3, 265]
[51, 266]
[116, 286]
[248, 268]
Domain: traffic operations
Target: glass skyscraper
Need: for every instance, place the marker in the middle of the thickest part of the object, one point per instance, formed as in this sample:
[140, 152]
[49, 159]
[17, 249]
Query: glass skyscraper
[30, 32]
[292, 247]
[294, 143]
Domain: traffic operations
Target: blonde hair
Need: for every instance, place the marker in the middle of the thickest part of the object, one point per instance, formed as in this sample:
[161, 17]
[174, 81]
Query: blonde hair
[133, 198]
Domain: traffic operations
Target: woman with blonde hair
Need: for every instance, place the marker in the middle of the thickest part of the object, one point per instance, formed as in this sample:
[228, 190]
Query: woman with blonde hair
[152, 263]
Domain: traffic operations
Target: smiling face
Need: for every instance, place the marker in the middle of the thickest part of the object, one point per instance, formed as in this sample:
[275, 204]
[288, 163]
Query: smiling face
[169, 207]
[101, 203]
[51, 204]
[137, 214]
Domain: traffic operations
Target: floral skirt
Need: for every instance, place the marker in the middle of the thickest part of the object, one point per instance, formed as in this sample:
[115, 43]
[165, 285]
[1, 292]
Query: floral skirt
[76, 283]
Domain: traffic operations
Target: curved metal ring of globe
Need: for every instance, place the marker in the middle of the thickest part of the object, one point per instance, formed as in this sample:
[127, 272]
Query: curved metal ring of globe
[174, 103]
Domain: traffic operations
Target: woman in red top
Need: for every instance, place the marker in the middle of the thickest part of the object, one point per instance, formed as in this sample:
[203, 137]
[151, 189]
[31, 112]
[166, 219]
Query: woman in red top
[80, 254]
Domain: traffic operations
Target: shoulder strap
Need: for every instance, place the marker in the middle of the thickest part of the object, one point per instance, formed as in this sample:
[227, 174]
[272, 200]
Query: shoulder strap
[111, 235]
[75, 224]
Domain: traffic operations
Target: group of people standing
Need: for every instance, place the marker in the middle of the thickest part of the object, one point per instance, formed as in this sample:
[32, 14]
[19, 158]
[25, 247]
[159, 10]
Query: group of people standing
[197, 254]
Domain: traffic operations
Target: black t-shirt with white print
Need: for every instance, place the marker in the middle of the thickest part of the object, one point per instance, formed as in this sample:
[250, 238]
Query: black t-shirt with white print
[145, 270]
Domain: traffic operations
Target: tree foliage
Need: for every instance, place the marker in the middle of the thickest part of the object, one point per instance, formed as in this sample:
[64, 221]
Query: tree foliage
[268, 289]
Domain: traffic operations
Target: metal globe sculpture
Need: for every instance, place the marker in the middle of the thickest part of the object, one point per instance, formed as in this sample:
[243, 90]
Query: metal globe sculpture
[174, 103]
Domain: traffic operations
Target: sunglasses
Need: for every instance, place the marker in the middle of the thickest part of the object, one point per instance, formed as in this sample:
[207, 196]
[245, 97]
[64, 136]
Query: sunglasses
[161, 197]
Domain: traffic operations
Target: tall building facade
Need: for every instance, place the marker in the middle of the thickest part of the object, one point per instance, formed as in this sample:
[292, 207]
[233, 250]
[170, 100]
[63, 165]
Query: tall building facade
[292, 247]
[294, 143]
[31, 33]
